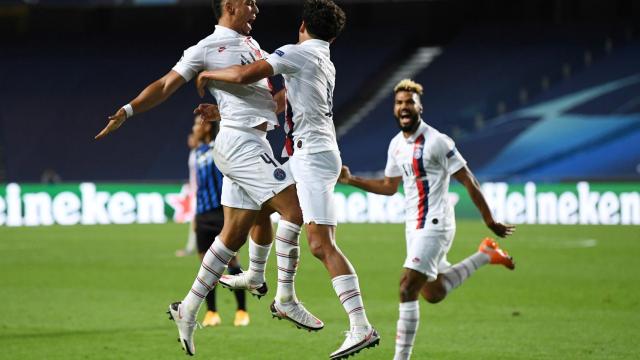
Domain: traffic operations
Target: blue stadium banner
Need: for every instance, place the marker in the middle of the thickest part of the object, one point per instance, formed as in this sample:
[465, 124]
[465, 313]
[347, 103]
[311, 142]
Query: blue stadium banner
[112, 203]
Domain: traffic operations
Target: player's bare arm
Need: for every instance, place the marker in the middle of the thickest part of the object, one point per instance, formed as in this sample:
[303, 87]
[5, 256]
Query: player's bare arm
[236, 74]
[152, 96]
[384, 186]
[469, 181]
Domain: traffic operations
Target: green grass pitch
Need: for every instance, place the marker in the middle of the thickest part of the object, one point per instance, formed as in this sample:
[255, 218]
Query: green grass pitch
[101, 292]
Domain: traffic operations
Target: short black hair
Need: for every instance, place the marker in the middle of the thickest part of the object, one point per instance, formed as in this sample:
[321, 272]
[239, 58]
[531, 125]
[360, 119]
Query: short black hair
[323, 18]
[217, 8]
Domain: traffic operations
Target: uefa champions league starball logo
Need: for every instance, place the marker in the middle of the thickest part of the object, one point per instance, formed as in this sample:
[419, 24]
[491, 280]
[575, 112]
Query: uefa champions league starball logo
[279, 174]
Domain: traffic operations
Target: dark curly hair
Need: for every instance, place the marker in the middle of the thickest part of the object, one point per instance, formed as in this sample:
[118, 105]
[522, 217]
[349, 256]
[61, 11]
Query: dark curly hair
[323, 18]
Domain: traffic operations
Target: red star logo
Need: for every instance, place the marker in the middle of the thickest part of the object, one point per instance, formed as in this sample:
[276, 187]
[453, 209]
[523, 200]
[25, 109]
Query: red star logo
[181, 203]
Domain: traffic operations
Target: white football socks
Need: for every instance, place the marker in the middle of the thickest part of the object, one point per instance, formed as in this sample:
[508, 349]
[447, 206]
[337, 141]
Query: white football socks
[406, 329]
[213, 265]
[458, 273]
[348, 291]
[288, 252]
[258, 255]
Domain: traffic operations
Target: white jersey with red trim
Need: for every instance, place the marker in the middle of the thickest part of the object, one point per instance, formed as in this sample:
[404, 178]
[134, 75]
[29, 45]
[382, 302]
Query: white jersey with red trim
[425, 161]
[310, 78]
[239, 105]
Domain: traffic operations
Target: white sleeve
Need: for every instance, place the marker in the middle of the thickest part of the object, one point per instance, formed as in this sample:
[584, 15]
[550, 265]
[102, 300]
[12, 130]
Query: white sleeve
[287, 59]
[392, 169]
[192, 62]
[447, 155]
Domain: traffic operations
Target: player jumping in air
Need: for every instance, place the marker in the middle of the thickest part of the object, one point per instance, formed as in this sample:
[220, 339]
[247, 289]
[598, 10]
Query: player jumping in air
[254, 182]
[209, 217]
[425, 159]
[311, 144]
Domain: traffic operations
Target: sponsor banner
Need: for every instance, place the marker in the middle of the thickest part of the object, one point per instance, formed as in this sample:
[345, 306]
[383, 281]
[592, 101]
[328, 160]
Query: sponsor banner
[91, 204]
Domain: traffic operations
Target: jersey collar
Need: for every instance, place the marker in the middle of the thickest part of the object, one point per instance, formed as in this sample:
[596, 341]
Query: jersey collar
[316, 43]
[421, 129]
[226, 32]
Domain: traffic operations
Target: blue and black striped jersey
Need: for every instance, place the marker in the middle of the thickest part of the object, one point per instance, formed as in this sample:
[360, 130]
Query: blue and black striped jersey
[209, 180]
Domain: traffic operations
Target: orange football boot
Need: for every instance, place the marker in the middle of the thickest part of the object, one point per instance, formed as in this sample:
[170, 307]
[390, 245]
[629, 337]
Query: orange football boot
[496, 255]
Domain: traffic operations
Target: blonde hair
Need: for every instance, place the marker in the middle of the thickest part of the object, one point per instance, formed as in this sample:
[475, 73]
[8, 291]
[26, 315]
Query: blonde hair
[408, 85]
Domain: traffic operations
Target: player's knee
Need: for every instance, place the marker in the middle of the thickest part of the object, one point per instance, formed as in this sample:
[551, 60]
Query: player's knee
[433, 299]
[408, 293]
[293, 215]
[234, 239]
[317, 248]
[433, 293]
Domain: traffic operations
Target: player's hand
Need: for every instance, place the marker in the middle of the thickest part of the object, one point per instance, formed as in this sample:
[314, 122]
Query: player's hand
[201, 83]
[502, 230]
[345, 175]
[207, 112]
[115, 121]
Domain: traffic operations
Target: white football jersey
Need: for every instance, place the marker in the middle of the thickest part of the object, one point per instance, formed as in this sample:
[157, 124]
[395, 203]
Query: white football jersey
[310, 78]
[239, 105]
[425, 160]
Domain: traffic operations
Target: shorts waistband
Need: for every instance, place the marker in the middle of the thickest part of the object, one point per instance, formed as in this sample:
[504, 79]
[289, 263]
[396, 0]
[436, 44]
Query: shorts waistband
[256, 132]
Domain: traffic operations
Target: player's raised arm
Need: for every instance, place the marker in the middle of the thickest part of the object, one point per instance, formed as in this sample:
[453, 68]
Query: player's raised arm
[152, 96]
[236, 74]
[466, 178]
[383, 186]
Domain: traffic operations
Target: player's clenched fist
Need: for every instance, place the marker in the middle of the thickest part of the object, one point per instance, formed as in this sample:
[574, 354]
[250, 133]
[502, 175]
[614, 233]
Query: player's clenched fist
[345, 175]
[207, 112]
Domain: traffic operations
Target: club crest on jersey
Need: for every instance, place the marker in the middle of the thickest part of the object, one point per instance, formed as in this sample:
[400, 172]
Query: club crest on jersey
[222, 48]
[279, 174]
[279, 53]
[417, 153]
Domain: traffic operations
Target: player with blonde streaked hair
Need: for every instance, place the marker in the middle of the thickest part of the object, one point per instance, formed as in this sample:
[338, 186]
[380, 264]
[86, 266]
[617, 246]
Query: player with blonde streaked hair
[425, 159]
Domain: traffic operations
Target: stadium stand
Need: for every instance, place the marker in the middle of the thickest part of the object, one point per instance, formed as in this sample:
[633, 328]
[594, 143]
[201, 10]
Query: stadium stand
[71, 85]
[476, 101]
[64, 70]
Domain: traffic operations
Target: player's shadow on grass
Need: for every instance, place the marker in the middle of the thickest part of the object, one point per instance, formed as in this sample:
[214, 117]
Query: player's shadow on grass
[65, 333]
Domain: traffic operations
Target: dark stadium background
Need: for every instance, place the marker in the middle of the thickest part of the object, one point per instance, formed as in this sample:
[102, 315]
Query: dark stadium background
[67, 64]
[541, 96]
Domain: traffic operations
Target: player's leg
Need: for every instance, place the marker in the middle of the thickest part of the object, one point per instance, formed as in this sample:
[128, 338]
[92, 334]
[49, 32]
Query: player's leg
[426, 251]
[234, 233]
[450, 277]
[261, 236]
[240, 155]
[206, 229]
[407, 326]
[316, 176]
[361, 334]
[286, 304]
[268, 183]
[260, 240]
[287, 242]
